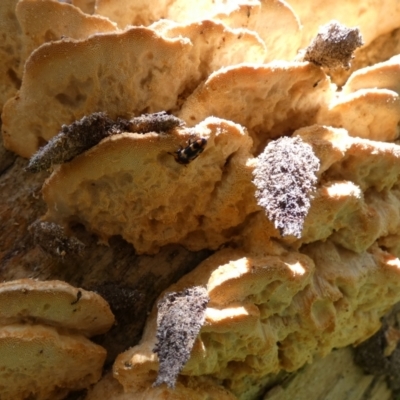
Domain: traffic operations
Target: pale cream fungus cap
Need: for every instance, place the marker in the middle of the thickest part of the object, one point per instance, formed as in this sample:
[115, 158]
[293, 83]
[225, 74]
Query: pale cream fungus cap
[44, 347]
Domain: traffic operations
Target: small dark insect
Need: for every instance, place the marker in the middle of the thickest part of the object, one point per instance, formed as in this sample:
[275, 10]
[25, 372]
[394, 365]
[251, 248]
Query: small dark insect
[187, 154]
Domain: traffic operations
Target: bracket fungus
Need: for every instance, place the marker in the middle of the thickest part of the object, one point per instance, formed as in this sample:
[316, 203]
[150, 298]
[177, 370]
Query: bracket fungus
[286, 95]
[47, 21]
[27, 24]
[71, 141]
[197, 125]
[130, 71]
[282, 40]
[273, 313]
[383, 75]
[10, 49]
[44, 331]
[155, 200]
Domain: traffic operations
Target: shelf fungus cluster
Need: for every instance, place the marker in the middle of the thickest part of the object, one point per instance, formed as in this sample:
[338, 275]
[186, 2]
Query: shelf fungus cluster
[44, 339]
[220, 126]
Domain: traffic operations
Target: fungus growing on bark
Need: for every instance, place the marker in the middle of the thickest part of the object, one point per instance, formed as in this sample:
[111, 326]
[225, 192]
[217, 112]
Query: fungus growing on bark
[42, 363]
[289, 285]
[282, 40]
[81, 135]
[286, 95]
[22, 32]
[249, 299]
[285, 179]
[357, 203]
[362, 112]
[44, 330]
[155, 200]
[54, 303]
[383, 75]
[73, 88]
[57, 22]
[102, 73]
[10, 47]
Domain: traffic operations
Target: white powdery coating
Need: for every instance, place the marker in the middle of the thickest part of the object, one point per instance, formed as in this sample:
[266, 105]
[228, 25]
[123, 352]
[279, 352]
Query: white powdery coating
[334, 46]
[285, 177]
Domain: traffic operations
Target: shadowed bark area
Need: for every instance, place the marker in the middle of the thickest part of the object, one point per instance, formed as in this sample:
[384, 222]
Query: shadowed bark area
[130, 283]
